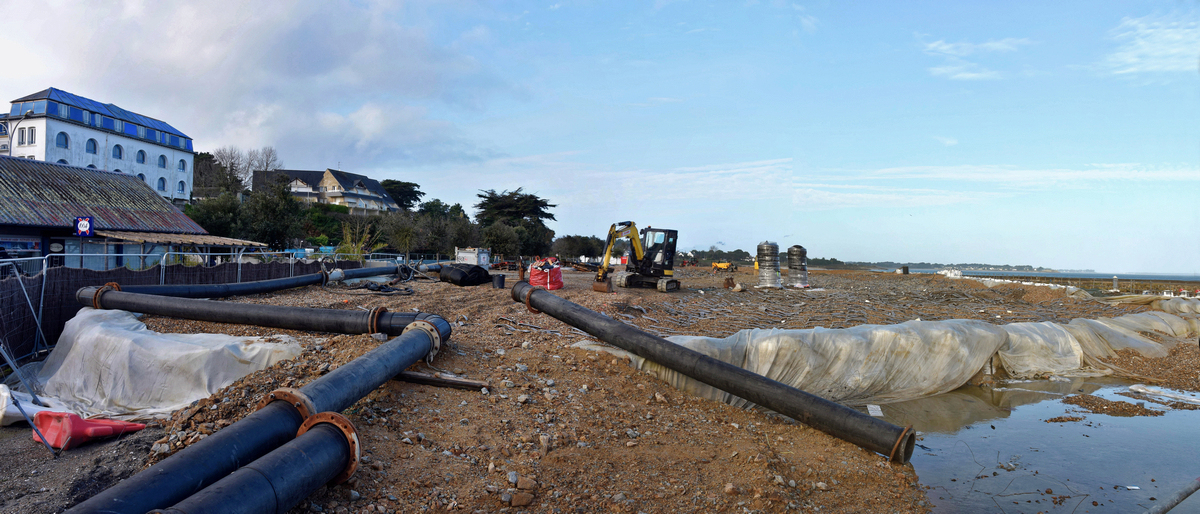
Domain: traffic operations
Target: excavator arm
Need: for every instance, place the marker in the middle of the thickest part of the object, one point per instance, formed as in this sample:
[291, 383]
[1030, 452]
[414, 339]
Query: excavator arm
[623, 229]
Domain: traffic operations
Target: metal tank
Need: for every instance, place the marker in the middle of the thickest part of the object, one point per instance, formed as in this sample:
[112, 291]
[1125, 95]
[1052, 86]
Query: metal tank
[768, 265]
[797, 266]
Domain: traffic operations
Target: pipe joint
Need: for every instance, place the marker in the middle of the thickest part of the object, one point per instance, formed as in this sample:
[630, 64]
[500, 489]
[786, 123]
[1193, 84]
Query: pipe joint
[337, 275]
[373, 324]
[435, 338]
[347, 429]
[294, 397]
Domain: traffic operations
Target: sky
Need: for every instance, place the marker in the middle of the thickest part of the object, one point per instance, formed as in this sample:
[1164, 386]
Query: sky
[1056, 134]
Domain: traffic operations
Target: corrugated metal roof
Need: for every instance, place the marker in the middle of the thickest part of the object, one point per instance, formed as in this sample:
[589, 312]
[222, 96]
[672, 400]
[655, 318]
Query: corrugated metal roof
[42, 194]
[109, 110]
[185, 239]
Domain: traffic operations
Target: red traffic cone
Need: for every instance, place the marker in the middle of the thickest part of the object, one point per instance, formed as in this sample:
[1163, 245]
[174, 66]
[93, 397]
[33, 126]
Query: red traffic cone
[65, 430]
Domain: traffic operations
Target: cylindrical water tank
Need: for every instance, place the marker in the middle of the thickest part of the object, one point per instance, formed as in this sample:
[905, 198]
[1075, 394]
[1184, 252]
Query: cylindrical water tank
[797, 266]
[768, 265]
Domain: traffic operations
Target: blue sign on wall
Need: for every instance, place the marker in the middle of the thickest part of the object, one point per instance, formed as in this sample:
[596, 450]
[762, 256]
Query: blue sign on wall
[83, 226]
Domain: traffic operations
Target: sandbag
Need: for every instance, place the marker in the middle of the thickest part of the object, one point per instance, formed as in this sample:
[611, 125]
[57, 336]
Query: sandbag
[464, 274]
[546, 273]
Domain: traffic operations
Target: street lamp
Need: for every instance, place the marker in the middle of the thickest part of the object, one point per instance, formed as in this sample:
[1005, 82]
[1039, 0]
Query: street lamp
[12, 132]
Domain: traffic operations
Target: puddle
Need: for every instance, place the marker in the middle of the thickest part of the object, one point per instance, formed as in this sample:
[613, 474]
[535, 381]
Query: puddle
[991, 450]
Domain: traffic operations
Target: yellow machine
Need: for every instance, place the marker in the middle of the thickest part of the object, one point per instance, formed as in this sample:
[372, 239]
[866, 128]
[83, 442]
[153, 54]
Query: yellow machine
[724, 266]
[652, 262]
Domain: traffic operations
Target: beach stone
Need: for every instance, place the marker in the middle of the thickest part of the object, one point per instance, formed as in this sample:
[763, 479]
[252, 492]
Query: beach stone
[521, 499]
[526, 483]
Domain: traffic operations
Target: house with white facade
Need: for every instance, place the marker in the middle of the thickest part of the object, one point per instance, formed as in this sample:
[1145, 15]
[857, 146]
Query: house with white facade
[59, 127]
[361, 194]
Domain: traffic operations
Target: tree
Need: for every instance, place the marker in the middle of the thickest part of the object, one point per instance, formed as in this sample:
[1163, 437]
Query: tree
[399, 230]
[272, 216]
[434, 207]
[359, 238]
[263, 160]
[406, 194]
[232, 159]
[501, 239]
[219, 216]
[572, 247]
[511, 207]
[211, 178]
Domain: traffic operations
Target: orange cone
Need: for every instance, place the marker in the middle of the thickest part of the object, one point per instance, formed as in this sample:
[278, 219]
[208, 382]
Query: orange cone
[65, 430]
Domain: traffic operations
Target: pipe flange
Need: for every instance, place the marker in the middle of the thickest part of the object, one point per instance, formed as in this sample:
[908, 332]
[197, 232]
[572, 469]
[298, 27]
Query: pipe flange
[529, 292]
[429, 330]
[347, 429]
[293, 397]
[899, 442]
[373, 321]
[111, 286]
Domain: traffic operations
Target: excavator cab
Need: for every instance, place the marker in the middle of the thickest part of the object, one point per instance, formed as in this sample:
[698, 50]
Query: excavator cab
[651, 264]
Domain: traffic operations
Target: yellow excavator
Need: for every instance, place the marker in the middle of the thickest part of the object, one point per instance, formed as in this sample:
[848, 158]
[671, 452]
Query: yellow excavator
[652, 262]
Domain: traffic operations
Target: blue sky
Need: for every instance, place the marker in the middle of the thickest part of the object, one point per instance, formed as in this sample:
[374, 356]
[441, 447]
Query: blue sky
[1061, 135]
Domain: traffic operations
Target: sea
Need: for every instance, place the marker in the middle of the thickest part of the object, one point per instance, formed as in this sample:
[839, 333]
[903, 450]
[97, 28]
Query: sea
[1186, 277]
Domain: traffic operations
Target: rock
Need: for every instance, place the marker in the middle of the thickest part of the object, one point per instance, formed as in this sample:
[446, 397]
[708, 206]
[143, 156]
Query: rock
[491, 489]
[791, 483]
[630, 444]
[526, 483]
[549, 382]
[500, 352]
[778, 479]
[512, 477]
[522, 368]
[509, 384]
[521, 499]
[544, 440]
[506, 497]
[526, 344]
[730, 489]
[822, 486]
[355, 496]
[620, 497]
[523, 398]
[659, 397]
[366, 459]
[160, 448]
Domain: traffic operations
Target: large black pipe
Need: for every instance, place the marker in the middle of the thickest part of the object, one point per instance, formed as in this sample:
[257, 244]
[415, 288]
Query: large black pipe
[257, 287]
[345, 321]
[837, 420]
[202, 463]
[277, 481]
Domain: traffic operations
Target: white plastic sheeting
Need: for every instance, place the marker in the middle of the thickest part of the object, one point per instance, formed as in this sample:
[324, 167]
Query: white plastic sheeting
[10, 413]
[884, 364]
[107, 363]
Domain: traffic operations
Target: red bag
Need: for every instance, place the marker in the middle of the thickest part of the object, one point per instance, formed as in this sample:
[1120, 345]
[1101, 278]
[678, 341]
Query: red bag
[546, 273]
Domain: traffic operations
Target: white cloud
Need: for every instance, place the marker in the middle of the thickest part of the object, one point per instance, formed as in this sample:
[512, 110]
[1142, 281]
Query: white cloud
[359, 82]
[948, 141]
[1025, 178]
[956, 67]
[1155, 44]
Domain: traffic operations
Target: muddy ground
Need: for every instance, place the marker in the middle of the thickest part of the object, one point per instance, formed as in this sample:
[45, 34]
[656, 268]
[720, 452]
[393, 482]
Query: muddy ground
[565, 430]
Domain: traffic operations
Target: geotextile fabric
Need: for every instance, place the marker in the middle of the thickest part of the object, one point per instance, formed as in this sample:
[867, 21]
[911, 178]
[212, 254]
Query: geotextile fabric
[108, 364]
[890, 363]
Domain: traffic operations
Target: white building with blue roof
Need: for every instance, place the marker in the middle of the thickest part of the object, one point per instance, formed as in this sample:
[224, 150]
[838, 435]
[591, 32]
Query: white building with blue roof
[56, 126]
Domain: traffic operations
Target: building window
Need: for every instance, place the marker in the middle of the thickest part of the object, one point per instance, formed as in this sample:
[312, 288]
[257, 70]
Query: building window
[180, 188]
[118, 152]
[142, 176]
[62, 161]
[32, 136]
[182, 165]
[162, 161]
[162, 184]
[141, 157]
[20, 136]
[62, 141]
[92, 166]
[90, 147]
[4, 148]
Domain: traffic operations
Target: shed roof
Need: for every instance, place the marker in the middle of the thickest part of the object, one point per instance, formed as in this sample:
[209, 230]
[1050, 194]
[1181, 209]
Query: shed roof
[41, 194]
[176, 239]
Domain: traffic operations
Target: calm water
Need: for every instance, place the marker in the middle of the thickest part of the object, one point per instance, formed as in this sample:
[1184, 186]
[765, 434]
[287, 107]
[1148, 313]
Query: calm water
[1122, 276]
[990, 450]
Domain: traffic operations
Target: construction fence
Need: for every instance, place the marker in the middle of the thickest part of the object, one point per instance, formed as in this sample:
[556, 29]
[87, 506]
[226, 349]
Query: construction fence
[37, 297]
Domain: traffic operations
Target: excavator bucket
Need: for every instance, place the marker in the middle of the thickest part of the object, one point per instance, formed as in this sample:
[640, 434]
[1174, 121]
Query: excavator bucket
[603, 286]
